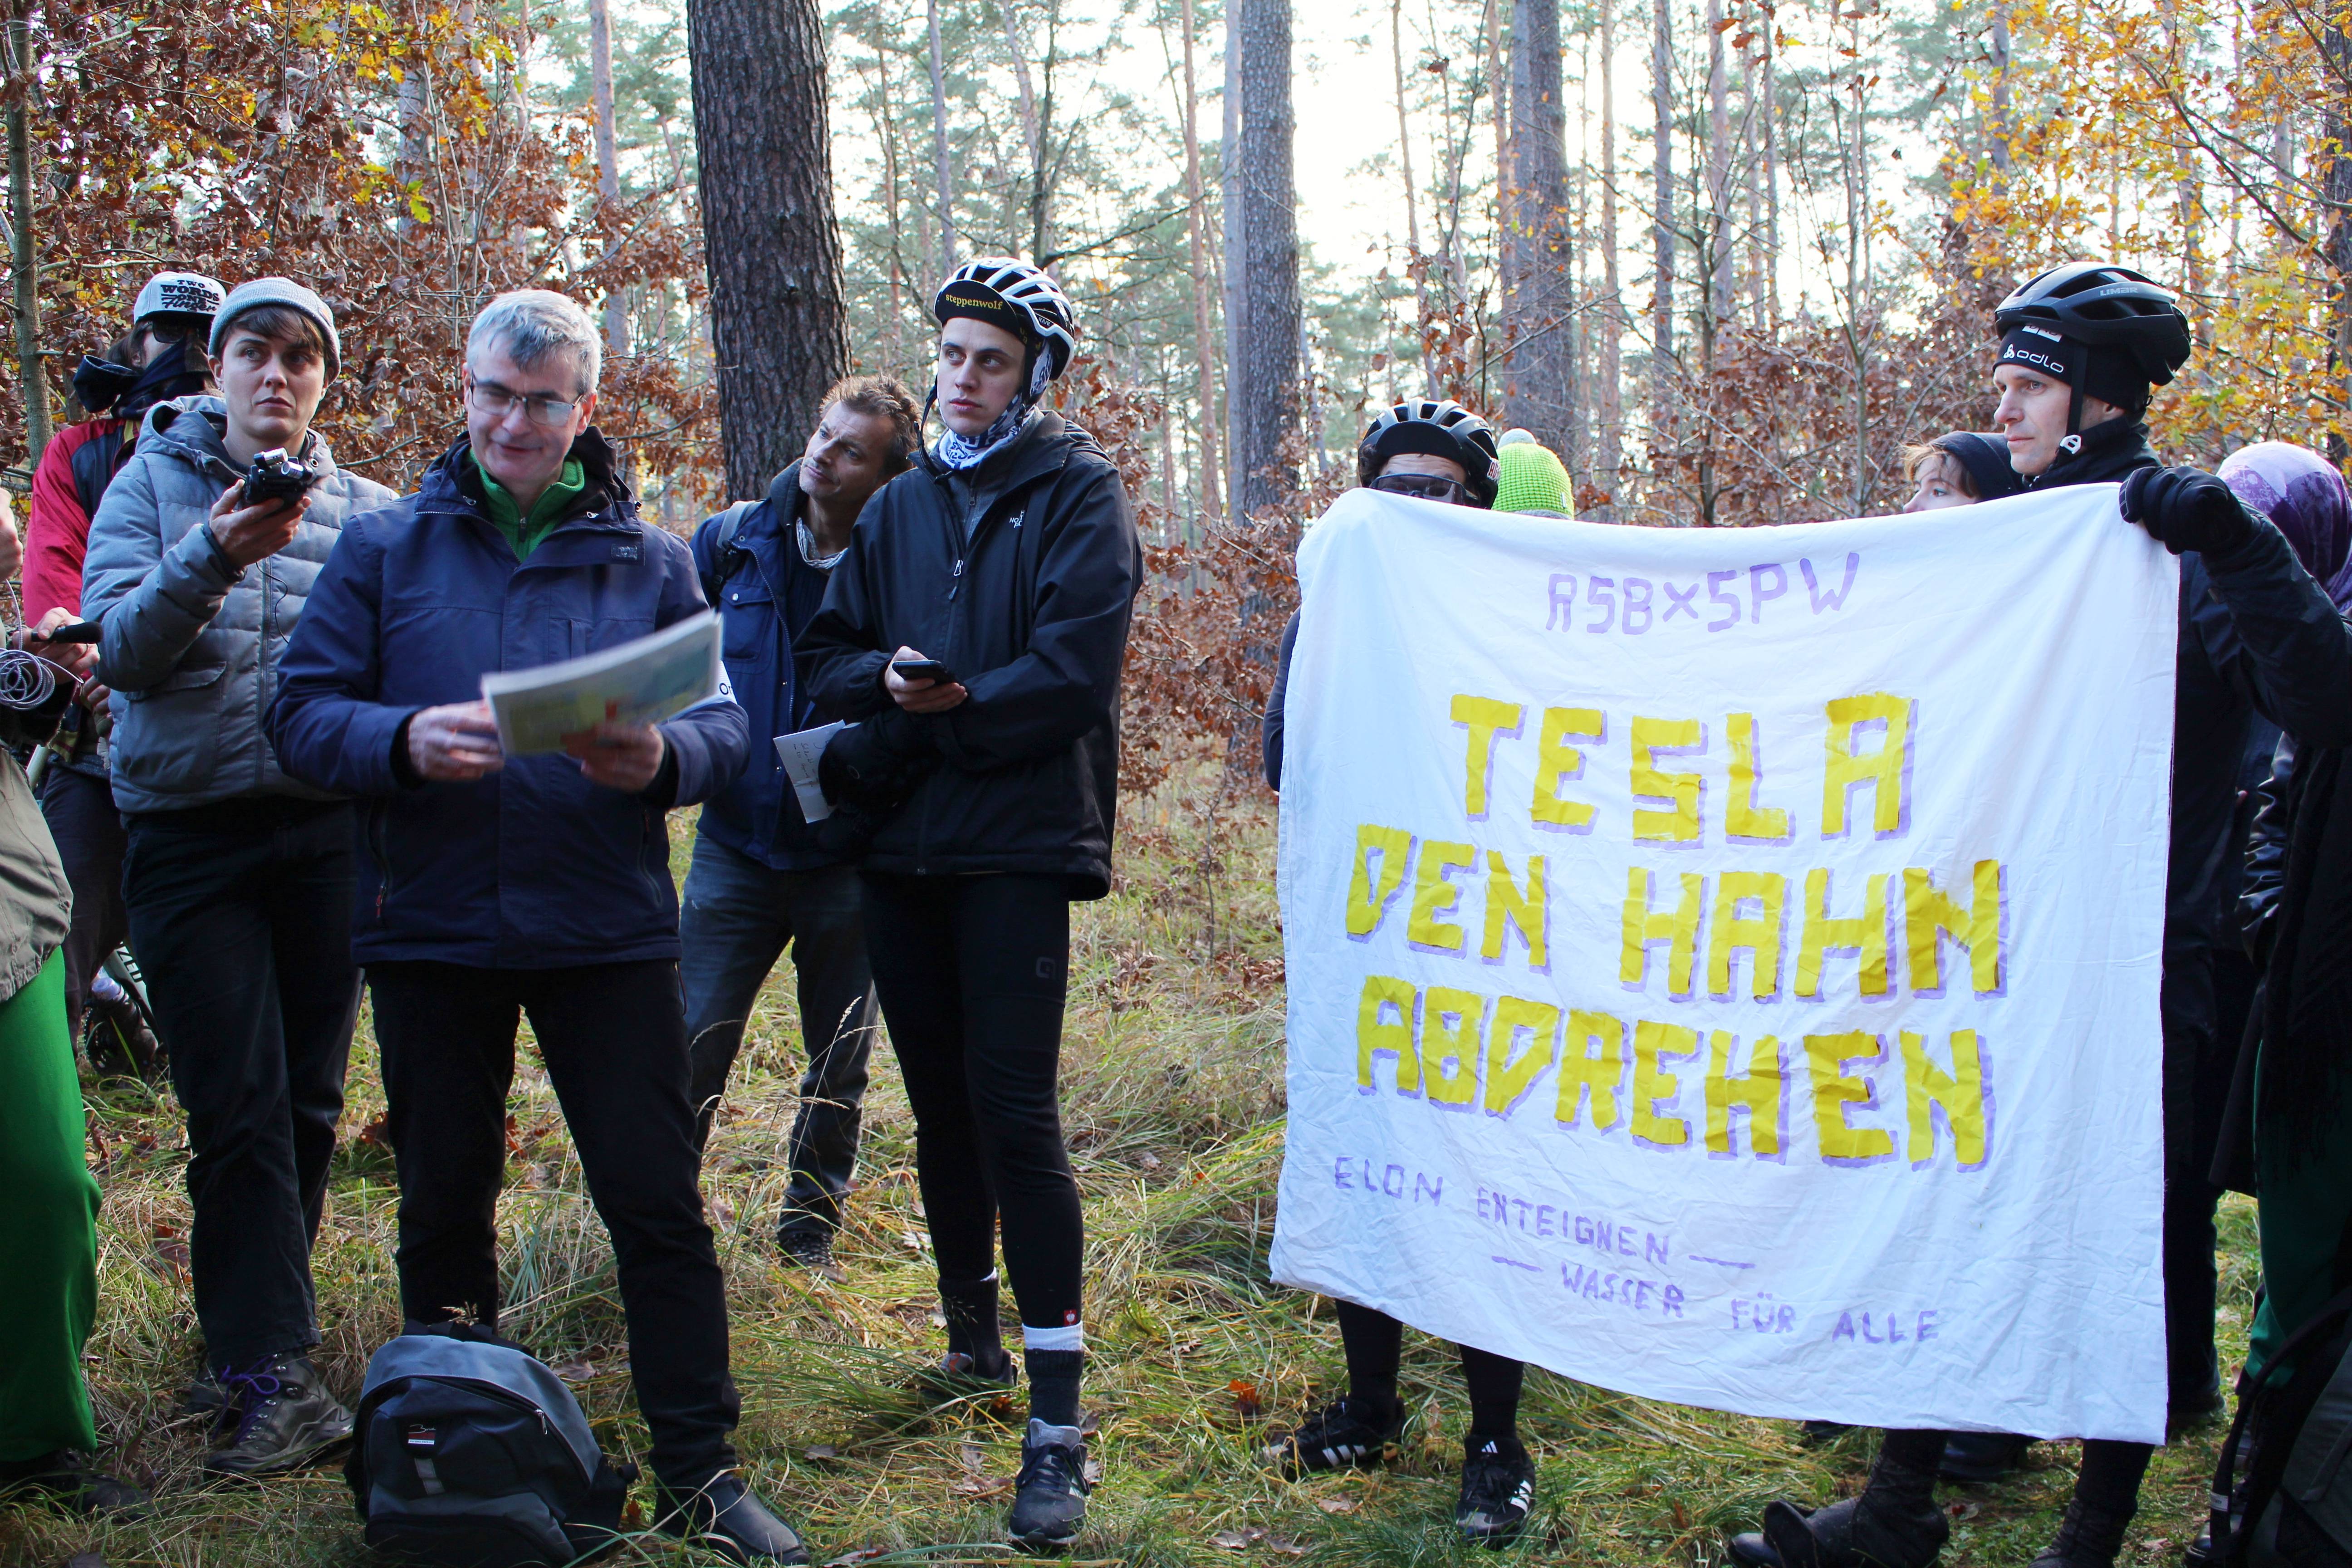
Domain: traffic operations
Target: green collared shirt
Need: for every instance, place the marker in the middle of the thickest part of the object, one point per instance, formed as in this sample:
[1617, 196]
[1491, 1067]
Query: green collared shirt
[524, 533]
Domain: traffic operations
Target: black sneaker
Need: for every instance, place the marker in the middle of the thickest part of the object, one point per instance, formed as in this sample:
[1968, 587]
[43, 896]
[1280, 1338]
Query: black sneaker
[119, 1043]
[810, 1249]
[1049, 1497]
[1498, 1490]
[728, 1517]
[1348, 1432]
[285, 1419]
[72, 1480]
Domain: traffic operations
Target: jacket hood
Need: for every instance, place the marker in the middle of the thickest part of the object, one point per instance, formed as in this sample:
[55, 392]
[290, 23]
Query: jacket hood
[455, 484]
[196, 430]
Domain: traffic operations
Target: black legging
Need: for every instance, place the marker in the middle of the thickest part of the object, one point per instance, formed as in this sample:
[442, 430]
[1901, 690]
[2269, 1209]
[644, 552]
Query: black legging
[971, 971]
[1375, 1344]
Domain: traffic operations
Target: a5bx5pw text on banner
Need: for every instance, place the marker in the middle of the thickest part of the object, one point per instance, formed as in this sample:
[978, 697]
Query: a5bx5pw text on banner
[1723, 964]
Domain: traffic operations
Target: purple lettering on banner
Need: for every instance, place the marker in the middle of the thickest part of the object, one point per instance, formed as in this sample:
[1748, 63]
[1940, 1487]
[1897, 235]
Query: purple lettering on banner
[1757, 593]
[1544, 1213]
[1874, 1339]
[1678, 601]
[1339, 1173]
[1563, 612]
[1844, 1329]
[1822, 596]
[1392, 1182]
[1642, 1289]
[1673, 1300]
[1633, 604]
[1522, 1205]
[1730, 602]
[1436, 1189]
[1600, 594]
[1655, 1248]
[1786, 1322]
[1583, 1230]
[1926, 1329]
[1624, 1242]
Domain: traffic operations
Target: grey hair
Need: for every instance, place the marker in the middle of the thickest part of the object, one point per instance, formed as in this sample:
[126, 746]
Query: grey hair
[529, 324]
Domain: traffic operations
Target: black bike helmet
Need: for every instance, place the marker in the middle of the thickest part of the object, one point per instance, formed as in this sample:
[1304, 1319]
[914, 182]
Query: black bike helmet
[2106, 331]
[1439, 429]
[1008, 292]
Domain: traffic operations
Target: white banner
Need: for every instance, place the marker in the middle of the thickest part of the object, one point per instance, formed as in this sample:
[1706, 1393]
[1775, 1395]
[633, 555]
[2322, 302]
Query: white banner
[1723, 964]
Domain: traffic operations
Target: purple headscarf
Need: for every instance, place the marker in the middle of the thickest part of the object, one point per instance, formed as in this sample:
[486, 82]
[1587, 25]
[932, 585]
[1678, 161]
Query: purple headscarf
[2303, 494]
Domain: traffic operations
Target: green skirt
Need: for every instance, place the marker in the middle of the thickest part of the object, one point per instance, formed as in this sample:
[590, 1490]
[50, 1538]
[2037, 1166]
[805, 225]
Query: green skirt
[49, 1226]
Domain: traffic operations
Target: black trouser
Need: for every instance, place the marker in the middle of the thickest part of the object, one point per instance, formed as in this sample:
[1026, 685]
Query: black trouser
[2205, 999]
[91, 837]
[614, 1038]
[241, 915]
[973, 972]
[1374, 1344]
[734, 920]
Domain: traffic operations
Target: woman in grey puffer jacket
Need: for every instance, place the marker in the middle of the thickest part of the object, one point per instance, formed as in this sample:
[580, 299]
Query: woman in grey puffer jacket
[239, 881]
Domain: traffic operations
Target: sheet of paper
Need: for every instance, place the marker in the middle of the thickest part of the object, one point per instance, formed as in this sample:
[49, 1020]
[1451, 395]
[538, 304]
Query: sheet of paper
[640, 683]
[801, 754]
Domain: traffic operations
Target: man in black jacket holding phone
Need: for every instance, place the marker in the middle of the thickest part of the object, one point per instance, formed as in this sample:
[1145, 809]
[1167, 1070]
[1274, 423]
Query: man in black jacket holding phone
[1009, 555]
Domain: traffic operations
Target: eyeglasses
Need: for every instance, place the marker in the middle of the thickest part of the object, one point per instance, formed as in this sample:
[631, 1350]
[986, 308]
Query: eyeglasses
[488, 397]
[1428, 487]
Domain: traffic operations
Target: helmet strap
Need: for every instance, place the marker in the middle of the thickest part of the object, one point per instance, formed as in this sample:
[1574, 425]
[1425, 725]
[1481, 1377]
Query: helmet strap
[923, 448]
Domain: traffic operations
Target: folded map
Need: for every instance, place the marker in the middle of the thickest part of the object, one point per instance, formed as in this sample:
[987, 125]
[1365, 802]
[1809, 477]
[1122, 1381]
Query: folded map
[642, 681]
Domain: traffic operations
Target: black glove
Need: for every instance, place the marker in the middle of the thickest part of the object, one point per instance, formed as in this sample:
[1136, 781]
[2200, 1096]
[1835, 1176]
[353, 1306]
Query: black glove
[873, 767]
[2187, 508]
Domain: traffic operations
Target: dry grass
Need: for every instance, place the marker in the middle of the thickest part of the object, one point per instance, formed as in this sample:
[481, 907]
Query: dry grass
[1173, 1088]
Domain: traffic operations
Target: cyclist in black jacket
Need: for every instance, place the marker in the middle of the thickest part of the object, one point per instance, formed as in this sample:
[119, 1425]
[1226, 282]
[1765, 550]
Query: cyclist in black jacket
[987, 789]
[2082, 344]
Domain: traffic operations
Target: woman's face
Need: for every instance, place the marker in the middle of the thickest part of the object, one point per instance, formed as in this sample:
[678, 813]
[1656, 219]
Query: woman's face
[271, 388]
[1942, 484]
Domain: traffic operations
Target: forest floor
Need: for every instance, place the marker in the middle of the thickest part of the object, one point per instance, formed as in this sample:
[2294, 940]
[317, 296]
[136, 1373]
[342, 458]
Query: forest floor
[1173, 1090]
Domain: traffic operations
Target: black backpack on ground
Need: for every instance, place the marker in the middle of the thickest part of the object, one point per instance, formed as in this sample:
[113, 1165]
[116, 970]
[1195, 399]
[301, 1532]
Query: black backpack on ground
[468, 1452]
[2282, 1490]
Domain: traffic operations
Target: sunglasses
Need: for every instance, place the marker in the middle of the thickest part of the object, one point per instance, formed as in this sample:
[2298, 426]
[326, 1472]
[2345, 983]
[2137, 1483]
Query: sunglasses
[1428, 487]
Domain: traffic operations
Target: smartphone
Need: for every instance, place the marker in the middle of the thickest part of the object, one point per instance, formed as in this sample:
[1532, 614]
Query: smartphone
[923, 669]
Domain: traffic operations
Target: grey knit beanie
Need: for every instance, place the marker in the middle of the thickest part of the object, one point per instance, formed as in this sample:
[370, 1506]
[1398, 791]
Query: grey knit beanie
[283, 291]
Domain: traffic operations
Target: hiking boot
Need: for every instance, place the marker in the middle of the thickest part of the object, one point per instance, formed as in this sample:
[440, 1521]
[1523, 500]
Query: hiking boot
[725, 1515]
[2087, 1538]
[1980, 1458]
[119, 1043]
[286, 1418]
[1049, 1497]
[1498, 1490]
[809, 1249]
[2193, 1409]
[73, 1481]
[1348, 1432]
[204, 1397]
[1895, 1524]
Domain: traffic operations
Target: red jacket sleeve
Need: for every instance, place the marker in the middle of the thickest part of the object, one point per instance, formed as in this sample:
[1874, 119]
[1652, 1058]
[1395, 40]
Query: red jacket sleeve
[57, 529]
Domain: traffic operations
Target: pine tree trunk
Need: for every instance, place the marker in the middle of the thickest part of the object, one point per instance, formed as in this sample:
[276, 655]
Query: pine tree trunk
[24, 262]
[1536, 287]
[1662, 226]
[608, 156]
[1229, 156]
[773, 252]
[1611, 369]
[944, 169]
[1411, 202]
[1203, 318]
[1266, 392]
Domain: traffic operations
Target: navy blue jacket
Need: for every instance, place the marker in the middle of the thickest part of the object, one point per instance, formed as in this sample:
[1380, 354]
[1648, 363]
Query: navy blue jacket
[767, 593]
[532, 867]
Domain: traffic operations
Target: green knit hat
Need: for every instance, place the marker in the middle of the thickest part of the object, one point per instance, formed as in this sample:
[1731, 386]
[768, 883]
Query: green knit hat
[1533, 477]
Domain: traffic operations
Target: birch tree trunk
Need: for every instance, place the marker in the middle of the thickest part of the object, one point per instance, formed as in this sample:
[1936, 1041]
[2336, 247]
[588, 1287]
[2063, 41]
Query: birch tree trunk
[608, 157]
[778, 323]
[1266, 375]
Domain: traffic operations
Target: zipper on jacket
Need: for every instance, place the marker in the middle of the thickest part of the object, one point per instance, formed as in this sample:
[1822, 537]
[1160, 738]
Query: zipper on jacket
[958, 575]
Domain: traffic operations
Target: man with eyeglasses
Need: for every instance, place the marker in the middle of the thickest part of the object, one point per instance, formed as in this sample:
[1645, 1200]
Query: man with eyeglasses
[501, 887]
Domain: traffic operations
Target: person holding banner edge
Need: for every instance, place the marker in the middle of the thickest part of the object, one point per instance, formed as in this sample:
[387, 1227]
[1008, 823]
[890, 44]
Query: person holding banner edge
[2082, 346]
[1435, 451]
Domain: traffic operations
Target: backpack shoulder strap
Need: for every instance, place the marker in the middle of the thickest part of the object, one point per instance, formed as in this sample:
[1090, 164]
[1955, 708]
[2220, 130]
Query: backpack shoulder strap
[722, 547]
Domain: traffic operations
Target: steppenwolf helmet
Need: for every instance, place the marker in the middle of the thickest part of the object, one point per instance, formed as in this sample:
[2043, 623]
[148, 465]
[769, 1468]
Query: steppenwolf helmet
[1009, 292]
[1439, 429]
[2104, 307]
